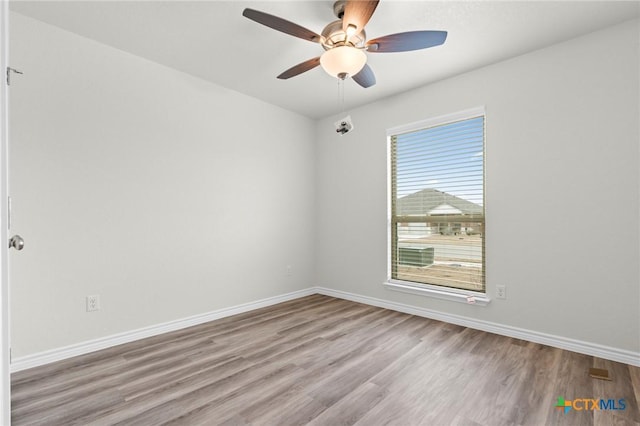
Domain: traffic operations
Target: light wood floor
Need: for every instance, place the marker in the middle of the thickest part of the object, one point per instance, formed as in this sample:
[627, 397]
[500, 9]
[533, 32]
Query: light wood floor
[323, 361]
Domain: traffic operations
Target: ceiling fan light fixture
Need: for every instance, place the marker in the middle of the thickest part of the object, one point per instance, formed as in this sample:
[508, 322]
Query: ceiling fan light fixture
[343, 60]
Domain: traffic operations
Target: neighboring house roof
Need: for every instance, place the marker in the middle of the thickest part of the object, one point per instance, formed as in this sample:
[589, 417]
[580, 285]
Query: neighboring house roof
[432, 202]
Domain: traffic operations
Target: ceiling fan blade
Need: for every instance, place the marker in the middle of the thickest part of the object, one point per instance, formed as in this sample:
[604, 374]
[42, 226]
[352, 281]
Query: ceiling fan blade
[280, 24]
[357, 13]
[365, 77]
[300, 68]
[403, 42]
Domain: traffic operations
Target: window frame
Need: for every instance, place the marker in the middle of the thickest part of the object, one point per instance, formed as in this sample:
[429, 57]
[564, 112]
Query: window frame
[431, 290]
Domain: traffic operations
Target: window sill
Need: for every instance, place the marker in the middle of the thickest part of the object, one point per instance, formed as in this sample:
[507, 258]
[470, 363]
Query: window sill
[469, 298]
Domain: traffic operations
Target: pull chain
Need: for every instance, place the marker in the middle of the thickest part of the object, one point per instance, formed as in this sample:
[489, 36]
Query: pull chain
[341, 93]
[343, 125]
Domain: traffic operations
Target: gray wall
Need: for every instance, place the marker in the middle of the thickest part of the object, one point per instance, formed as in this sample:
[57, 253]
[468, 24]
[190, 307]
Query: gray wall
[167, 195]
[562, 189]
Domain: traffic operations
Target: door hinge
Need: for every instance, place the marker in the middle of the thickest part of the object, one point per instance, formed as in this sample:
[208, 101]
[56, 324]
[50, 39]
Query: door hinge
[9, 71]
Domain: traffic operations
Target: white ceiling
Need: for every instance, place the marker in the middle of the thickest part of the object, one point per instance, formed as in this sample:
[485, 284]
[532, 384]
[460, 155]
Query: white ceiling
[212, 40]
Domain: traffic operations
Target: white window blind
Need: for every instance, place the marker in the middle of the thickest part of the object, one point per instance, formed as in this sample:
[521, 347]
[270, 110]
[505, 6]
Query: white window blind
[437, 203]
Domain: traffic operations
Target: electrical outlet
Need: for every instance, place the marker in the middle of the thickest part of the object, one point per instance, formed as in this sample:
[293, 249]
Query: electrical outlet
[288, 270]
[93, 303]
[501, 291]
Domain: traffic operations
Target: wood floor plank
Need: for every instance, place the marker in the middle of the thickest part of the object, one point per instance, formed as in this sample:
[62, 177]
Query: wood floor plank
[573, 382]
[621, 384]
[196, 402]
[367, 359]
[323, 361]
[352, 407]
[634, 374]
[512, 375]
[293, 408]
[197, 410]
[195, 372]
[159, 394]
[537, 386]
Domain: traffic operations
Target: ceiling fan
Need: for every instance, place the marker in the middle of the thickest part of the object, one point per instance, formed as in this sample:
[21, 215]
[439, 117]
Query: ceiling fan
[345, 41]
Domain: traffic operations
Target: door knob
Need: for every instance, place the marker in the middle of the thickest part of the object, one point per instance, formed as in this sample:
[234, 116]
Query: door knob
[17, 242]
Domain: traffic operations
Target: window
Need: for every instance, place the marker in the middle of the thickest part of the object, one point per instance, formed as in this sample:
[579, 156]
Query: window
[437, 203]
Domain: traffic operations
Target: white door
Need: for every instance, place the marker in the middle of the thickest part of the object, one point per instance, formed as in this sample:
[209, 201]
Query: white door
[5, 385]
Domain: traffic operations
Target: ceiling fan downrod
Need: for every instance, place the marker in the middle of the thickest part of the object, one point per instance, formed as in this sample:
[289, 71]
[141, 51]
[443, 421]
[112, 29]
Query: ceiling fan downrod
[338, 8]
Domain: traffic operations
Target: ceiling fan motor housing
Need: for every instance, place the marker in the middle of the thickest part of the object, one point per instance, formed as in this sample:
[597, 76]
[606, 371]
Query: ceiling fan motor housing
[333, 36]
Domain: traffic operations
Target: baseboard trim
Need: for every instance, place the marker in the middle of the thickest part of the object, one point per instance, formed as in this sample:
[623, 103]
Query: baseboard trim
[83, 348]
[587, 348]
